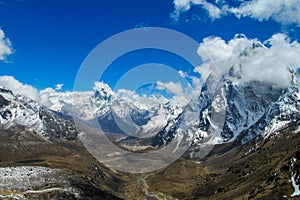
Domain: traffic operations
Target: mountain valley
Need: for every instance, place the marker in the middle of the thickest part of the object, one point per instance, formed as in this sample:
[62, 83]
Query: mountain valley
[259, 160]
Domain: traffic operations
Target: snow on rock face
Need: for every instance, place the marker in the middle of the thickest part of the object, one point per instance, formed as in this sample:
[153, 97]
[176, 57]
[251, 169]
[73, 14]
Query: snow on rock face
[241, 110]
[116, 111]
[187, 121]
[232, 108]
[83, 105]
[142, 115]
[19, 110]
[285, 111]
[281, 114]
[295, 177]
[103, 91]
[137, 115]
[67, 102]
[246, 105]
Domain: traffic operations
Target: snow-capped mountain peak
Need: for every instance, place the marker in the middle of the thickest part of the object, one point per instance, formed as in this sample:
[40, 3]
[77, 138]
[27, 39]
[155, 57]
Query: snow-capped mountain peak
[102, 90]
[228, 109]
[17, 110]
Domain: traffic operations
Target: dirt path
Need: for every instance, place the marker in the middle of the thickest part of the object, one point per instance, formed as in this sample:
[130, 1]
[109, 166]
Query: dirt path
[151, 194]
[43, 191]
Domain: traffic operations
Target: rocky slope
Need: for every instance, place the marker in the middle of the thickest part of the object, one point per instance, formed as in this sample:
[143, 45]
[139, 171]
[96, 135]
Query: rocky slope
[260, 169]
[19, 110]
[34, 167]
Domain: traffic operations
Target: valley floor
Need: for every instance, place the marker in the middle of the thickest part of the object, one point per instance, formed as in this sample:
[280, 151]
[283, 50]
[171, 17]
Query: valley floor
[33, 168]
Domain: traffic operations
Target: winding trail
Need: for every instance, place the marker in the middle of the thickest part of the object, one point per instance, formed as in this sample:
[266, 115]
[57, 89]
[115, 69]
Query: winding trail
[43, 191]
[153, 195]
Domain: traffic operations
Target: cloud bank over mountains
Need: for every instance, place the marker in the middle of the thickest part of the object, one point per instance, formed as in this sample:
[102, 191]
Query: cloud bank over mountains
[250, 59]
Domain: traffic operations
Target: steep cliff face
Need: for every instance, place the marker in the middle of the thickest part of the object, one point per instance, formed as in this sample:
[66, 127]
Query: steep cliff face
[229, 110]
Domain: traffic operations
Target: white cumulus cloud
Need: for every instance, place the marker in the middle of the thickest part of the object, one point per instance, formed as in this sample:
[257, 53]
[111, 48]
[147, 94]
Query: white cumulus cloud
[285, 12]
[251, 59]
[181, 6]
[59, 86]
[5, 46]
[182, 74]
[171, 87]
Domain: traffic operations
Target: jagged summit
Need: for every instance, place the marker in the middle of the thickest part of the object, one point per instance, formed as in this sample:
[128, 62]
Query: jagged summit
[228, 110]
[102, 91]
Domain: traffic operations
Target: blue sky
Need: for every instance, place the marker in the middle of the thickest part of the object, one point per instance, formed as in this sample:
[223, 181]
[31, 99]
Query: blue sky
[51, 38]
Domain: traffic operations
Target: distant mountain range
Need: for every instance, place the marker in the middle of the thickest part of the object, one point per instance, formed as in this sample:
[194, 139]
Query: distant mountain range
[224, 111]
